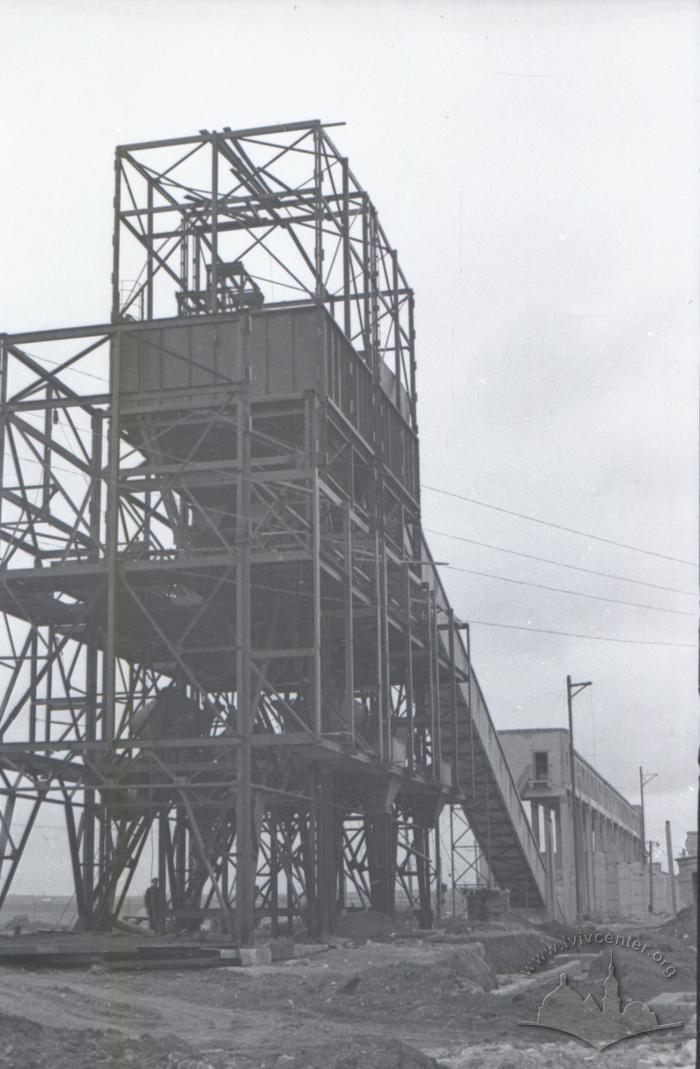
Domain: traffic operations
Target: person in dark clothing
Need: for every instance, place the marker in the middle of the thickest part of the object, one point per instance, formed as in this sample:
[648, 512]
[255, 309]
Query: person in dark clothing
[155, 907]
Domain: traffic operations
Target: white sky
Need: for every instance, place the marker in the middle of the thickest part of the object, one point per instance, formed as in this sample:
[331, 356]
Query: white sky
[536, 166]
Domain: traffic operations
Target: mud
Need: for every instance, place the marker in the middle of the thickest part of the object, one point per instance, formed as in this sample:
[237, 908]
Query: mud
[379, 998]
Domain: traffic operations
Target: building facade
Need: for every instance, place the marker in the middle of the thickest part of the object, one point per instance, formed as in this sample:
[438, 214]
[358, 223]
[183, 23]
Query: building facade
[687, 880]
[588, 832]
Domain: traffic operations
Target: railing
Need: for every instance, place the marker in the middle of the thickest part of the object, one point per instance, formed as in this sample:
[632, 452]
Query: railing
[487, 735]
[523, 778]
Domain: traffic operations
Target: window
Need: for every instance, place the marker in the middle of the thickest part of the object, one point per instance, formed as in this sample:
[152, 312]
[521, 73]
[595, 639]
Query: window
[541, 766]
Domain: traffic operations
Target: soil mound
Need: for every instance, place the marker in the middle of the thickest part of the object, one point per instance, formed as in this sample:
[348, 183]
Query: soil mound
[359, 925]
[681, 929]
[26, 1044]
[367, 1052]
[510, 953]
[426, 990]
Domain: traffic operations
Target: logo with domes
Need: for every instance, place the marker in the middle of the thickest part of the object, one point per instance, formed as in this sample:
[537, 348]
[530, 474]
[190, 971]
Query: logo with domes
[564, 1010]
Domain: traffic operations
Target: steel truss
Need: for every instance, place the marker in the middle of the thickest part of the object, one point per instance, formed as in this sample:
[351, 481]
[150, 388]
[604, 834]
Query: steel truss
[222, 630]
[466, 864]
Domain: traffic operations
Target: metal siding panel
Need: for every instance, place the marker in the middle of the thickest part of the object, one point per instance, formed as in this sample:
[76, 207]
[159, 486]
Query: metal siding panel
[151, 359]
[279, 342]
[175, 363]
[129, 365]
[259, 351]
[200, 374]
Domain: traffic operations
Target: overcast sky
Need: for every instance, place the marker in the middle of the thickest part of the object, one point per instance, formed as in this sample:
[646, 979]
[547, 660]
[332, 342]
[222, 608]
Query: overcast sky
[536, 166]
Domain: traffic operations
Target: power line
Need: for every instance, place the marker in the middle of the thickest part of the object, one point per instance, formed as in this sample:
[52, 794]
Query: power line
[73, 370]
[559, 527]
[478, 623]
[591, 638]
[522, 582]
[540, 586]
[483, 623]
[574, 593]
[482, 504]
[484, 545]
[560, 564]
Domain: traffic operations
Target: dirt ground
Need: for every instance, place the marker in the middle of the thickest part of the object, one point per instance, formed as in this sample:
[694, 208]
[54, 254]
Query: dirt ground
[402, 1000]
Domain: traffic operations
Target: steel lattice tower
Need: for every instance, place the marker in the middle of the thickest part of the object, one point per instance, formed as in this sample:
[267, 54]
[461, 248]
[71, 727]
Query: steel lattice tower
[223, 630]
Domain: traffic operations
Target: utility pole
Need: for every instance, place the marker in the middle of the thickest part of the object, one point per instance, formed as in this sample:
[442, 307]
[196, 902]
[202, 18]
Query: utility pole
[671, 874]
[651, 877]
[643, 829]
[572, 689]
[645, 778]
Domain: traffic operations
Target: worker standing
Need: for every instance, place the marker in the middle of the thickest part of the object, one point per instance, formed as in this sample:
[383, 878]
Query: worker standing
[155, 907]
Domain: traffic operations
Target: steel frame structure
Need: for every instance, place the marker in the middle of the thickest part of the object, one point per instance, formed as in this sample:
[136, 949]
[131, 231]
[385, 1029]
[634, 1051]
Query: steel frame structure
[222, 626]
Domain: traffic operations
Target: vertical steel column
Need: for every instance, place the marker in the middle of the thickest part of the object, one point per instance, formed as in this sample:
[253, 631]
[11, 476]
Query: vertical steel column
[149, 262]
[112, 545]
[366, 284]
[430, 653]
[374, 289]
[436, 658]
[89, 796]
[214, 279]
[274, 874]
[91, 678]
[107, 858]
[396, 326]
[385, 653]
[318, 217]
[224, 868]
[307, 839]
[381, 673]
[33, 682]
[408, 671]
[453, 847]
[115, 236]
[421, 846]
[438, 869]
[245, 864]
[327, 845]
[453, 697]
[412, 369]
[288, 847]
[164, 832]
[163, 847]
[349, 644]
[488, 826]
[51, 645]
[347, 275]
[111, 528]
[313, 460]
[549, 855]
[184, 266]
[471, 708]
[180, 852]
[381, 842]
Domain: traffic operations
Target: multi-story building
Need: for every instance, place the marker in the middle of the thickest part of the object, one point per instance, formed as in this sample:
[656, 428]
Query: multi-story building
[588, 832]
[688, 871]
